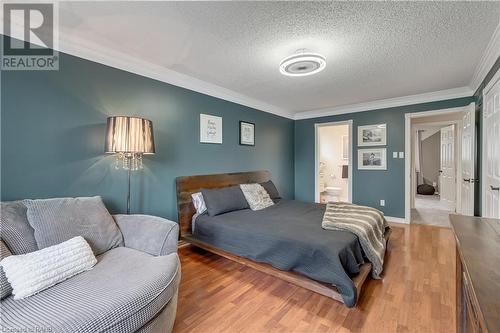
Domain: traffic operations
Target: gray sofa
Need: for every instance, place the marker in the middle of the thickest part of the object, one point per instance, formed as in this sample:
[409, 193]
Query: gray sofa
[132, 288]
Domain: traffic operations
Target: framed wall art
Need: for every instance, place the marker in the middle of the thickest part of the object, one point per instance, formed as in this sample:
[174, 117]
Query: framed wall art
[247, 133]
[372, 159]
[210, 129]
[372, 135]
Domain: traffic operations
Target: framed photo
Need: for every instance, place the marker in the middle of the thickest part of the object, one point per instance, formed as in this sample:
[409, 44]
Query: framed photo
[210, 129]
[247, 133]
[372, 159]
[372, 135]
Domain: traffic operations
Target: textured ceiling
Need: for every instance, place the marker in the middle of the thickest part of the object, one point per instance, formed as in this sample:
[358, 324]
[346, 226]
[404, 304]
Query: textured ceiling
[374, 50]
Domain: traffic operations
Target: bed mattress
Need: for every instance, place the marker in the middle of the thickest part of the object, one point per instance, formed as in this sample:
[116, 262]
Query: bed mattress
[288, 236]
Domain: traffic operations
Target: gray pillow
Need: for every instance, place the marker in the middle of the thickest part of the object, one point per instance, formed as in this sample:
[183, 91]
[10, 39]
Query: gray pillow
[5, 287]
[271, 189]
[15, 229]
[223, 200]
[57, 220]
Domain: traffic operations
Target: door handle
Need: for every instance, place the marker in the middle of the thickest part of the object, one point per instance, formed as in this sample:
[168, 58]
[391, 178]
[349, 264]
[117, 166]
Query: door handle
[493, 188]
[467, 180]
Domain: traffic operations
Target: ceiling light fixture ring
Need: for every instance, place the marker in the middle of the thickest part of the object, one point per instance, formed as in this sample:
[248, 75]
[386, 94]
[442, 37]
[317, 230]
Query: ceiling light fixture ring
[303, 64]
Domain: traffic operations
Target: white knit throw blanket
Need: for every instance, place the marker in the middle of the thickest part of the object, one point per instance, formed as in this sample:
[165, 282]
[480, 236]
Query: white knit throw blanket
[367, 223]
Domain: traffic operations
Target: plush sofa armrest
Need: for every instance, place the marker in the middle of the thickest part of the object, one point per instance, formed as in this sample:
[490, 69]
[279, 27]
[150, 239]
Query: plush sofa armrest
[150, 234]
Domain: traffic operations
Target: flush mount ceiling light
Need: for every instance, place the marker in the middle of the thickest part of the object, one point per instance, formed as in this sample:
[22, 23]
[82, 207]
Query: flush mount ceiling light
[302, 64]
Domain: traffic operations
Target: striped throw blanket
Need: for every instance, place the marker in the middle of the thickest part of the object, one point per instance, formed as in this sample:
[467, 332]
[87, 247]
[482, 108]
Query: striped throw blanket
[367, 223]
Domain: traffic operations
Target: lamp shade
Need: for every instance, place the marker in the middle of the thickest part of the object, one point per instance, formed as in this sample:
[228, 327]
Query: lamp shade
[129, 135]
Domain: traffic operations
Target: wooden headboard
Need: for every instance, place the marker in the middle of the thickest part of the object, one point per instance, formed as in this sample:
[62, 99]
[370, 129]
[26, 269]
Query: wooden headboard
[191, 184]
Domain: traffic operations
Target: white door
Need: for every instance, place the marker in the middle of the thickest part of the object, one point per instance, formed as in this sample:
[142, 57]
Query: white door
[447, 171]
[468, 161]
[491, 151]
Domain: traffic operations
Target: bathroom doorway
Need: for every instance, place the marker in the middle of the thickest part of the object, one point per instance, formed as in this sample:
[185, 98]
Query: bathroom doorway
[333, 166]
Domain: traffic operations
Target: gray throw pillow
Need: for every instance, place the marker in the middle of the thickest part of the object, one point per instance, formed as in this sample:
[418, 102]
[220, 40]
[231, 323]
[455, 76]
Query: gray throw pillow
[223, 200]
[57, 220]
[5, 287]
[15, 229]
[271, 189]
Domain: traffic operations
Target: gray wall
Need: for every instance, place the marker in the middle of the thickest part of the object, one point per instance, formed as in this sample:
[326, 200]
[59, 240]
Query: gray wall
[368, 186]
[431, 155]
[52, 137]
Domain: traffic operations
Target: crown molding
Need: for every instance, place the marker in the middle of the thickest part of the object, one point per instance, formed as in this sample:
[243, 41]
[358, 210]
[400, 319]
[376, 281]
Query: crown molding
[387, 103]
[488, 59]
[106, 56]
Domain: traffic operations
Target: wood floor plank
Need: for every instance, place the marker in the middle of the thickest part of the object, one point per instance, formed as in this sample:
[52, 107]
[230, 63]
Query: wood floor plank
[416, 294]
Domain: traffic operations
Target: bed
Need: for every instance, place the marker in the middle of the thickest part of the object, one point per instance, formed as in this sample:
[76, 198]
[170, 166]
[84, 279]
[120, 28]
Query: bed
[285, 240]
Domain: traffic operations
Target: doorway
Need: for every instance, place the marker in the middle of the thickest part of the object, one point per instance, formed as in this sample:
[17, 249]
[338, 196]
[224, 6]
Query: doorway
[333, 166]
[440, 153]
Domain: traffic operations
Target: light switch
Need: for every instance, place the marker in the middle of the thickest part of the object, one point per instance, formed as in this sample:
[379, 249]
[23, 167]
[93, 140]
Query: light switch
[394, 154]
[401, 154]
[382, 202]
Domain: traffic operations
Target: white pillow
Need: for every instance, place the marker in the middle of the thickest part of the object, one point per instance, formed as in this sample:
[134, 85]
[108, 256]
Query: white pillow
[199, 203]
[257, 196]
[33, 272]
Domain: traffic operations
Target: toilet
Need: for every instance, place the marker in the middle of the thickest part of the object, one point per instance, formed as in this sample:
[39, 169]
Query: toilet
[332, 193]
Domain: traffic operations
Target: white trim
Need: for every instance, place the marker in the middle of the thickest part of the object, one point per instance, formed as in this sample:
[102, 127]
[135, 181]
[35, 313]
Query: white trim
[316, 157]
[489, 57]
[388, 103]
[492, 82]
[408, 152]
[393, 219]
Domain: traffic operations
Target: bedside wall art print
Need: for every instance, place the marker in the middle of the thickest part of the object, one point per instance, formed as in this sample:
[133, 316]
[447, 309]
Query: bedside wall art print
[210, 129]
[247, 133]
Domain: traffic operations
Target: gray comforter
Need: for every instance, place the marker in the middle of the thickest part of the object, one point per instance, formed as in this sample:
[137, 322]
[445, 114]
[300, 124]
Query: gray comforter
[288, 236]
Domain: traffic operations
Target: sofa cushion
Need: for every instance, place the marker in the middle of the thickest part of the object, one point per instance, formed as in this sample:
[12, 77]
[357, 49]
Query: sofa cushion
[33, 272]
[57, 220]
[5, 287]
[16, 231]
[124, 291]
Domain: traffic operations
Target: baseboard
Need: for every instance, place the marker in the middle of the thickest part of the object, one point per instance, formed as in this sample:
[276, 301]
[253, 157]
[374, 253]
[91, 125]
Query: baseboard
[395, 219]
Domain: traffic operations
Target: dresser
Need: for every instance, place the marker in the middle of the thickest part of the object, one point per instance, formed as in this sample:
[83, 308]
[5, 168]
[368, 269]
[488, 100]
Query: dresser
[478, 273]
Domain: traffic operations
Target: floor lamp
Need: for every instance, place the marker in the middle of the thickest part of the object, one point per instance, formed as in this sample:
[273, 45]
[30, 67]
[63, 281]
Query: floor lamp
[129, 138]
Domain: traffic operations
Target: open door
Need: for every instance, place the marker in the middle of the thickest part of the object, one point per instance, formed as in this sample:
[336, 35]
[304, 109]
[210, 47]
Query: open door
[447, 171]
[491, 151]
[468, 161]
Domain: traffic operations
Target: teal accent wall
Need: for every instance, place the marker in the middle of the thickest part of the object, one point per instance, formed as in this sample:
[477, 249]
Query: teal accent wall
[368, 186]
[52, 137]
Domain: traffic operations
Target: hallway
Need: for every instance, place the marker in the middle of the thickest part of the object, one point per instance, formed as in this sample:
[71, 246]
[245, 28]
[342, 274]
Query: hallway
[430, 210]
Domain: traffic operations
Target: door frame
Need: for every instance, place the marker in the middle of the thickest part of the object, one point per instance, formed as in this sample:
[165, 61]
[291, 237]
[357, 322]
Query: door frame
[486, 89]
[423, 126]
[316, 157]
[409, 152]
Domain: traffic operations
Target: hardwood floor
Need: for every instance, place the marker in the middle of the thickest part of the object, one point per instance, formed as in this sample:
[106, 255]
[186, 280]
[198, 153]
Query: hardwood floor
[417, 293]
